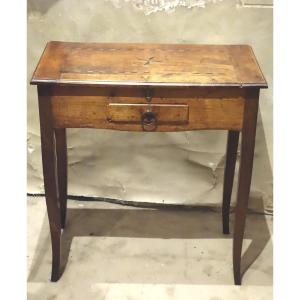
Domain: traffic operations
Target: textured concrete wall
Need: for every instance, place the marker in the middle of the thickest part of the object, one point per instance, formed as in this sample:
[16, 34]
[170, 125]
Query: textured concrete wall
[157, 167]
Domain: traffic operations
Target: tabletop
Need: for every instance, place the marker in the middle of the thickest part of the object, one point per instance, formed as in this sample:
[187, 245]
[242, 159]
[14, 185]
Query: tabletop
[148, 65]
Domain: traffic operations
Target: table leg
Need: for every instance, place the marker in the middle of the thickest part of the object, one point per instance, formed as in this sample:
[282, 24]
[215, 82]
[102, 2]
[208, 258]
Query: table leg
[245, 174]
[231, 152]
[62, 171]
[50, 178]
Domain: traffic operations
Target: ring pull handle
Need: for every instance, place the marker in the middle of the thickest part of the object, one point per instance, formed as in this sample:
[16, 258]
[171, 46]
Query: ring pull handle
[149, 121]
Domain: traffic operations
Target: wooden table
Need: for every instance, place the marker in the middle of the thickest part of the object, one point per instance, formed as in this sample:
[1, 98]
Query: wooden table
[147, 87]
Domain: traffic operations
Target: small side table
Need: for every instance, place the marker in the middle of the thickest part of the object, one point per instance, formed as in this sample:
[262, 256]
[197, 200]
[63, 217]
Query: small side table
[147, 87]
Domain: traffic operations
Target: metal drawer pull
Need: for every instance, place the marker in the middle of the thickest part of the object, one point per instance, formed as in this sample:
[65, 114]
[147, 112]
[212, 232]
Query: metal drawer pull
[149, 121]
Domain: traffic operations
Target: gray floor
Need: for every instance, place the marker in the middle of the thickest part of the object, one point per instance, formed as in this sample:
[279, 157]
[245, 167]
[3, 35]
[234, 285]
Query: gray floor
[117, 252]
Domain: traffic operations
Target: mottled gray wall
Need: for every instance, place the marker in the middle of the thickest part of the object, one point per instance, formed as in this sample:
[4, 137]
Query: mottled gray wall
[157, 167]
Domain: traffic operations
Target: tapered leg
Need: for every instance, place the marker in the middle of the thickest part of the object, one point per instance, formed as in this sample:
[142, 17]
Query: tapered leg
[61, 154]
[50, 178]
[245, 174]
[231, 152]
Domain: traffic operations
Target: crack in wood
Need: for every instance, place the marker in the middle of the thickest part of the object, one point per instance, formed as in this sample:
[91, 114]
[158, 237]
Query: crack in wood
[149, 60]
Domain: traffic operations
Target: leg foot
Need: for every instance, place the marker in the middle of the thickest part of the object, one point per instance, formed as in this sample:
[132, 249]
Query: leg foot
[55, 240]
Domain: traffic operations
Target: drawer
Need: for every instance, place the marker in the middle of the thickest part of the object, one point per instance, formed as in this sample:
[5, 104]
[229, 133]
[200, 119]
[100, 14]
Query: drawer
[130, 110]
[149, 116]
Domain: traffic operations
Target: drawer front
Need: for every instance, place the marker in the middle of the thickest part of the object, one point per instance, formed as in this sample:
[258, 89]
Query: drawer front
[134, 113]
[168, 110]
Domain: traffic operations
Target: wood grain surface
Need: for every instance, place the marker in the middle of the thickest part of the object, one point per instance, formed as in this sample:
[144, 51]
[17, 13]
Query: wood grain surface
[148, 65]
